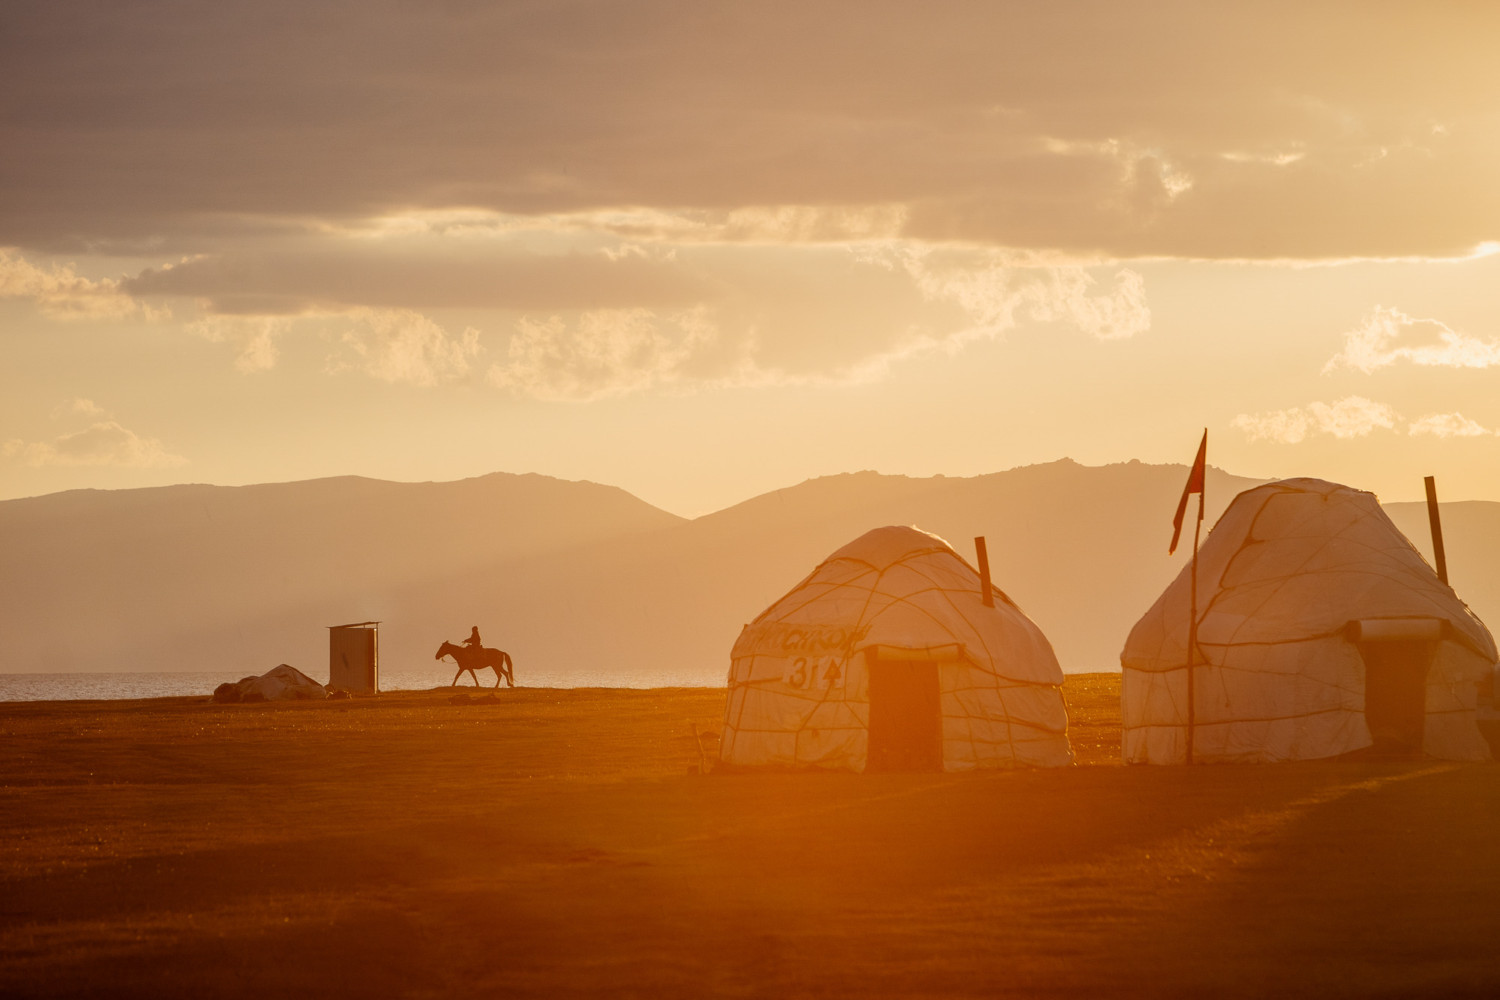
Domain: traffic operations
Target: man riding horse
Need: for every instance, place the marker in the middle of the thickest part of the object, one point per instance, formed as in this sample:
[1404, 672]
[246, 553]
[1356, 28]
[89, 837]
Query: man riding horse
[473, 655]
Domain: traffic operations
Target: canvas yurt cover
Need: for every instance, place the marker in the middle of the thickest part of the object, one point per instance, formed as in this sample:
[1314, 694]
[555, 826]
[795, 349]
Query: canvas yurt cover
[1321, 631]
[886, 658]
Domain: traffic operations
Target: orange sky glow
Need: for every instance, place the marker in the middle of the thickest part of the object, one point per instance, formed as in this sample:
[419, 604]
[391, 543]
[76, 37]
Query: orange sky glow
[705, 250]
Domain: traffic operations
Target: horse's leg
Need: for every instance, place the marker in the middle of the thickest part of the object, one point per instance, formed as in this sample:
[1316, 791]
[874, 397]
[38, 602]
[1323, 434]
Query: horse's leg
[456, 677]
[474, 674]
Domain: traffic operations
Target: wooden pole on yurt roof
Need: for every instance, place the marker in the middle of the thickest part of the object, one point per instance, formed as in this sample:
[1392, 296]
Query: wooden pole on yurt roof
[1436, 523]
[982, 553]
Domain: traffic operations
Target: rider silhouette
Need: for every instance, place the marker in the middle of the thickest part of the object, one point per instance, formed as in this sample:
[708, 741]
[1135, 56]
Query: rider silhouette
[473, 640]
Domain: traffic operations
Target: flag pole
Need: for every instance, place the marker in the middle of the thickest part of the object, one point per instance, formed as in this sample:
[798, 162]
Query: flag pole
[1193, 634]
[1195, 484]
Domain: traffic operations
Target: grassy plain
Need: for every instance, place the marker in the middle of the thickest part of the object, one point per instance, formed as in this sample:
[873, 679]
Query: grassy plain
[553, 843]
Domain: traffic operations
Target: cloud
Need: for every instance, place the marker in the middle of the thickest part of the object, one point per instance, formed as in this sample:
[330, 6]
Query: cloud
[742, 312]
[804, 224]
[813, 316]
[254, 337]
[78, 404]
[393, 345]
[1307, 131]
[1385, 337]
[413, 270]
[1445, 425]
[1350, 417]
[398, 345]
[604, 353]
[104, 442]
[993, 290]
[746, 224]
[1065, 295]
[60, 292]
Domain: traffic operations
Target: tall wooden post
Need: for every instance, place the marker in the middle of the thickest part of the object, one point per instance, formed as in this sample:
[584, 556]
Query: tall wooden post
[1192, 661]
[985, 592]
[1436, 523]
[1197, 482]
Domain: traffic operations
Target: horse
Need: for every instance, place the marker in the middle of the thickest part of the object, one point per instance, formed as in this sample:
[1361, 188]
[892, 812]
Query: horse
[471, 660]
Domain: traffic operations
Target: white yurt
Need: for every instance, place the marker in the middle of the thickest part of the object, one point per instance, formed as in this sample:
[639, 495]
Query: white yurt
[281, 683]
[1321, 631]
[886, 658]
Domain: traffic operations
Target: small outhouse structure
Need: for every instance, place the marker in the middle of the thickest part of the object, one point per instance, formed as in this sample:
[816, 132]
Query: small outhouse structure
[352, 657]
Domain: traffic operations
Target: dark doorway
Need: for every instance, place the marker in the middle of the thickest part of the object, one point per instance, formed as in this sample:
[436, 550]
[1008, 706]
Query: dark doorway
[906, 727]
[1396, 693]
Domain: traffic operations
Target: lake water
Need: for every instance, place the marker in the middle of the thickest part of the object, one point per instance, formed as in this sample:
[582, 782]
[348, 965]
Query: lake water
[92, 687]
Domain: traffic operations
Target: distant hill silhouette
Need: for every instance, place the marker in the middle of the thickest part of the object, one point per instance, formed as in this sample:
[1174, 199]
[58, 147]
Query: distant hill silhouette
[577, 580]
[203, 577]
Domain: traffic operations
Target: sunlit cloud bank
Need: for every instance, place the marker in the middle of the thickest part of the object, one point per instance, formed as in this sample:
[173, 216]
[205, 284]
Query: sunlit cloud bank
[1350, 417]
[1446, 425]
[980, 296]
[322, 272]
[604, 353]
[1112, 130]
[1388, 336]
[103, 443]
[594, 317]
[747, 224]
[997, 287]
[62, 294]
[392, 345]
[253, 337]
[398, 345]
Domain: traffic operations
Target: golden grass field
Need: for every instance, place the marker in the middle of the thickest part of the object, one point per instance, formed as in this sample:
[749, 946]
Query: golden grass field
[554, 843]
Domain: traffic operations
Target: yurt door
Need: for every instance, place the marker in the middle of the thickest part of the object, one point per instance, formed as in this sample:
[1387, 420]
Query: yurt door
[906, 726]
[1397, 655]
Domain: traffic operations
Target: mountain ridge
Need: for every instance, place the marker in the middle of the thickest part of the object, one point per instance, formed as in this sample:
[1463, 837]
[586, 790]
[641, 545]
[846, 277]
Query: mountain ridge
[578, 579]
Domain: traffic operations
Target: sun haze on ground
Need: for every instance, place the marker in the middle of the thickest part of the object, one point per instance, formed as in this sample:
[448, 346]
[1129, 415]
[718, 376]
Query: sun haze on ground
[555, 842]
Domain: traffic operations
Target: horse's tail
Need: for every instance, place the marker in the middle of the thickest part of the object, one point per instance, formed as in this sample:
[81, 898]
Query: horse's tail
[510, 674]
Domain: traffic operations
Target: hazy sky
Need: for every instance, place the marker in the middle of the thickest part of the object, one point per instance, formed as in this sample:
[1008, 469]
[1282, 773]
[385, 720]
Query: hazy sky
[703, 250]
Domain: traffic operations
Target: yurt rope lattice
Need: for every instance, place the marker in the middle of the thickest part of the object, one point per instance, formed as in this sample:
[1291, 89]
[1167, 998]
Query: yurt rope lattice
[799, 676]
[1284, 579]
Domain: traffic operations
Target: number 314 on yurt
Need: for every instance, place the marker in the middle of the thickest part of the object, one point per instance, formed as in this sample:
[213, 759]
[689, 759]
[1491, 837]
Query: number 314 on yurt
[813, 673]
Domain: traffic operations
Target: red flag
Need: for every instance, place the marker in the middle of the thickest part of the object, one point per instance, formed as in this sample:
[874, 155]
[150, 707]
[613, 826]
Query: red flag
[1194, 485]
